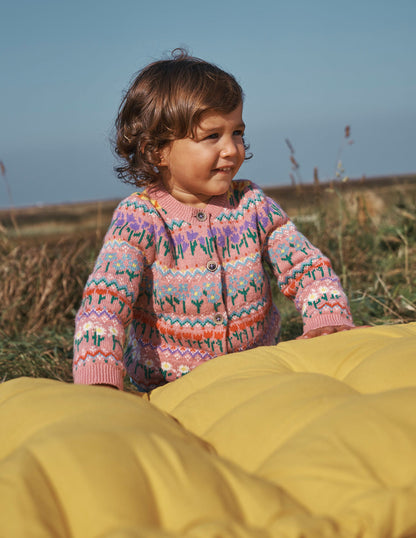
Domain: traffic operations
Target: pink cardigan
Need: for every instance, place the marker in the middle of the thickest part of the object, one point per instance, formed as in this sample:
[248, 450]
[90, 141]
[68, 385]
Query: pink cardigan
[189, 284]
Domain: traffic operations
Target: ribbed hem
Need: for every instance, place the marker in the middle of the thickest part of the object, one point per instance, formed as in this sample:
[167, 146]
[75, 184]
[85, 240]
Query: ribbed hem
[319, 321]
[99, 374]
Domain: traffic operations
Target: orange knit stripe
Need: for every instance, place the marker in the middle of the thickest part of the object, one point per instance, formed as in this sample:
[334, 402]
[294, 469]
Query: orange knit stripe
[104, 291]
[293, 285]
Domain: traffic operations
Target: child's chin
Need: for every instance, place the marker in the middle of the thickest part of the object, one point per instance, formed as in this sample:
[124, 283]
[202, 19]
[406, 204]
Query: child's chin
[222, 185]
[220, 192]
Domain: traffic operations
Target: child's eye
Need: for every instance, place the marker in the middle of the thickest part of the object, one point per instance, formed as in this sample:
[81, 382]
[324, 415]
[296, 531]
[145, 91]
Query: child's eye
[212, 136]
[238, 132]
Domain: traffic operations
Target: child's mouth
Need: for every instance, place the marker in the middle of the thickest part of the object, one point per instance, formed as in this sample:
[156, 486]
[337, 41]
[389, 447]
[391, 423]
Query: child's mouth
[224, 169]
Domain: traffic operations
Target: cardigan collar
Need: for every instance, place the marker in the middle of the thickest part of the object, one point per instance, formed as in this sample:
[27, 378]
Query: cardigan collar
[178, 210]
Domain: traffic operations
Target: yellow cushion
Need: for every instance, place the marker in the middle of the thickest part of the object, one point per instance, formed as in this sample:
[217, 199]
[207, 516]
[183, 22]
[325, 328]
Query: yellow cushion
[310, 438]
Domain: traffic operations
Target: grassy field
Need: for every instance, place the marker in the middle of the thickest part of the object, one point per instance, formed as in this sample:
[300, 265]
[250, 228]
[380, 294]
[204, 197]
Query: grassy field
[42, 276]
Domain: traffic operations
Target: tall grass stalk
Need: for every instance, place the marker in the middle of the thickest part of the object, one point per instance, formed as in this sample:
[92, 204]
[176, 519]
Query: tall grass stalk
[10, 197]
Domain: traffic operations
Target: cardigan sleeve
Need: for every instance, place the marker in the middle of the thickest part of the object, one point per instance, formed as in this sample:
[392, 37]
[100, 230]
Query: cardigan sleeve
[108, 299]
[303, 273]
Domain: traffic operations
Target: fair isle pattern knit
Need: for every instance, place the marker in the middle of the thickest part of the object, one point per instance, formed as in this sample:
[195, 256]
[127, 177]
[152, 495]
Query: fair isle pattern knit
[190, 285]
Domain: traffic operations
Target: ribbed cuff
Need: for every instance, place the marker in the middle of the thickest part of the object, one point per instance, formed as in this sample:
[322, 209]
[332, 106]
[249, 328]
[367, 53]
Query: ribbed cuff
[319, 321]
[99, 373]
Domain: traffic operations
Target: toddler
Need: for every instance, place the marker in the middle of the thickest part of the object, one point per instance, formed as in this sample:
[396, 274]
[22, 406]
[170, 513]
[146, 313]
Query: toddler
[182, 264]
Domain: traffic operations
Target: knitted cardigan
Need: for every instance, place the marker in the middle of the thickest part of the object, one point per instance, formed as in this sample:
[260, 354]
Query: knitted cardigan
[190, 284]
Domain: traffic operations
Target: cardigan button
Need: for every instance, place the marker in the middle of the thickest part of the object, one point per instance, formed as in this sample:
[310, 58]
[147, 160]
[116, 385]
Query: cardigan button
[218, 318]
[212, 266]
[201, 216]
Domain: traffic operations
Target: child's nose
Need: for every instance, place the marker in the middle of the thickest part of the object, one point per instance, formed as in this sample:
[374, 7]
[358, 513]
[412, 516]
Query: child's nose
[229, 149]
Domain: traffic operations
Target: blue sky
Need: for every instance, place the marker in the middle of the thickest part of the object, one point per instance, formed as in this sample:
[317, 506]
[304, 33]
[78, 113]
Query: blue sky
[308, 68]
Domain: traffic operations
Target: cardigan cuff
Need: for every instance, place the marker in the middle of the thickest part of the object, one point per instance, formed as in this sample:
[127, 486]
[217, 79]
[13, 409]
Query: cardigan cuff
[327, 320]
[99, 373]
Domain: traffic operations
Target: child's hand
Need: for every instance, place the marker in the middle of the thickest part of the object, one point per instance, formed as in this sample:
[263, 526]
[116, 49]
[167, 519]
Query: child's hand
[324, 330]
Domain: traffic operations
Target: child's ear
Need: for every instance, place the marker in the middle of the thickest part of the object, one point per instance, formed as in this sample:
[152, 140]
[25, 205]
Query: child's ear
[163, 155]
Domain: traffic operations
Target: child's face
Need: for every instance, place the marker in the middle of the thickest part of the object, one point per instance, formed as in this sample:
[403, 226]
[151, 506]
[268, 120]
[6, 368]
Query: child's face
[195, 169]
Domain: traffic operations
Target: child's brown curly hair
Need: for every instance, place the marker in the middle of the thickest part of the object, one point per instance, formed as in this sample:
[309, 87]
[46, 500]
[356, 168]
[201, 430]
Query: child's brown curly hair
[165, 102]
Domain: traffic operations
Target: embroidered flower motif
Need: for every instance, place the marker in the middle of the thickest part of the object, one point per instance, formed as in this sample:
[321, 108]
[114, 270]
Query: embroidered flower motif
[168, 289]
[183, 369]
[191, 235]
[264, 220]
[196, 295]
[119, 219]
[312, 297]
[135, 345]
[119, 266]
[109, 256]
[208, 286]
[181, 241]
[133, 223]
[232, 288]
[235, 237]
[167, 293]
[228, 231]
[213, 296]
[98, 335]
[241, 282]
[195, 292]
[182, 291]
[221, 240]
[282, 249]
[132, 263]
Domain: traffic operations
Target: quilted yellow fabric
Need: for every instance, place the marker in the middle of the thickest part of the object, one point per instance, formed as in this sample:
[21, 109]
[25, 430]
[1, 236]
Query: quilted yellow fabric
[313, 438]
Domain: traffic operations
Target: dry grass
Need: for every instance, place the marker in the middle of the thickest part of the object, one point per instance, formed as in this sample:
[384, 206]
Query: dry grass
[40, 291]
[40, 285]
